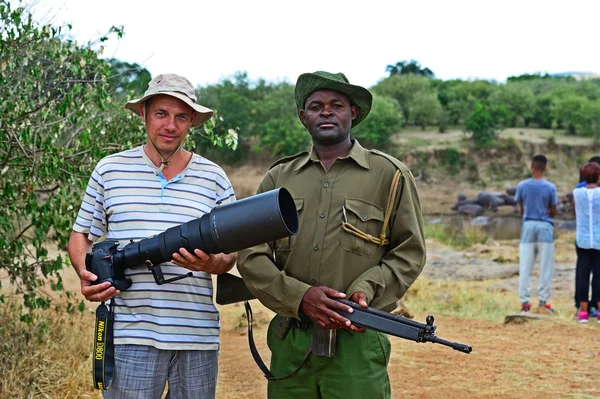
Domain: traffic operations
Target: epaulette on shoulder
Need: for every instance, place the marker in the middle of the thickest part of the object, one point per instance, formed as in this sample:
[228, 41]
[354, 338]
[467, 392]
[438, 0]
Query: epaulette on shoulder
[288, 159]
[403, 168]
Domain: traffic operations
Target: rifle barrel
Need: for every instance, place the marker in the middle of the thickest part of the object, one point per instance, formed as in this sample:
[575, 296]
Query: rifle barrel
[398, 326]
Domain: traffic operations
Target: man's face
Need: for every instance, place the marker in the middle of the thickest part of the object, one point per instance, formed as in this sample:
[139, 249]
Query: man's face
[328, 116]
[167, 122]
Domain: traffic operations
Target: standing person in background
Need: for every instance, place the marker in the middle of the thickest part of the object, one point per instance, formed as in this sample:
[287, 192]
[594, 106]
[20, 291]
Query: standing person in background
[537, 204]
[593, 308]
[161, 332]
[586, 205]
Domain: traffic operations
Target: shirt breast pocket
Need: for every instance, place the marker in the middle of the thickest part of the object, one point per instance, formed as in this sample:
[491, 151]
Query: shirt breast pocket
[286, 244]
[366, 217]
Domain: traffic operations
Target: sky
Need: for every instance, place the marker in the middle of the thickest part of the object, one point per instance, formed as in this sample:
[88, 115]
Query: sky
[207, 41]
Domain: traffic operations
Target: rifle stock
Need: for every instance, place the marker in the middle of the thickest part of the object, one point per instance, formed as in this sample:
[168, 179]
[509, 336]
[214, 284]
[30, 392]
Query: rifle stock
[231, 289]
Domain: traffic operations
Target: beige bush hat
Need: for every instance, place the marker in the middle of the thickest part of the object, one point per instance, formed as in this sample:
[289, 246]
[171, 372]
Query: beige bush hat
[176, 86]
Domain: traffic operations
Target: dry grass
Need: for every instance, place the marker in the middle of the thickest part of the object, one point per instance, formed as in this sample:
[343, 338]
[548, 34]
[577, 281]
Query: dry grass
[245, 179]
[51, 359]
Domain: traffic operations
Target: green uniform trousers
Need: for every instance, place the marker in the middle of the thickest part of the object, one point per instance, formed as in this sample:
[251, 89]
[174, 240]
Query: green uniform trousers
[358, 369]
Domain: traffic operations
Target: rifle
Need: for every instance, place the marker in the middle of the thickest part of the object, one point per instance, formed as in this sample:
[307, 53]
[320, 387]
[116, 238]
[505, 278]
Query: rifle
[231, 289]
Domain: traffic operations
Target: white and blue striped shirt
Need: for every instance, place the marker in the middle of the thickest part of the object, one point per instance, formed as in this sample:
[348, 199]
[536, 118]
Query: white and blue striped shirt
[587, 215]
[126, 200]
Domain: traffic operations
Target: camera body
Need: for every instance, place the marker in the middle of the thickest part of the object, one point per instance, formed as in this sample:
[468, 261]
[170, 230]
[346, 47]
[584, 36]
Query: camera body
[101, 262]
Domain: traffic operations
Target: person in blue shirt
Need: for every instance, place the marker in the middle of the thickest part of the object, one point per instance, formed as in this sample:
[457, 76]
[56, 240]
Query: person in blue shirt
[537, 201]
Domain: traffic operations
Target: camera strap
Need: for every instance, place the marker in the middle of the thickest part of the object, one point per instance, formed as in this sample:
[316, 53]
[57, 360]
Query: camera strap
[104, 351]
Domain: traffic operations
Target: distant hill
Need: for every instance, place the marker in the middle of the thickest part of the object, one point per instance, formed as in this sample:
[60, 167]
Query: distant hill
[579, 75]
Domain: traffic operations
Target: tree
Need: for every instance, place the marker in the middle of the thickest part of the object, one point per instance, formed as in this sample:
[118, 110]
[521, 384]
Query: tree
[384, 120]
[279, 130]
[591, 118]
[410, 67]
[482, 126]
[518, 100]
[568, 112]
[128, 79]
[458, 98]
[57, 119]
[403, 88]
[425, 109]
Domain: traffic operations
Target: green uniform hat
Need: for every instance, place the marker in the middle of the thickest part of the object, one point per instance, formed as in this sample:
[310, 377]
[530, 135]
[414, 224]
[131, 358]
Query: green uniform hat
[310, 82]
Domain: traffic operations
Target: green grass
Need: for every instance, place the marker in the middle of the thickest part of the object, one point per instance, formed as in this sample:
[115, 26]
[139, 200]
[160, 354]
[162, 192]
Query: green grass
[484, 300]
[468, 299]
[454, 238]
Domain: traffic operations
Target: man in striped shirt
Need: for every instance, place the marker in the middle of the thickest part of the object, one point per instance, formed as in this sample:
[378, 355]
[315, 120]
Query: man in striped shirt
[168, 332]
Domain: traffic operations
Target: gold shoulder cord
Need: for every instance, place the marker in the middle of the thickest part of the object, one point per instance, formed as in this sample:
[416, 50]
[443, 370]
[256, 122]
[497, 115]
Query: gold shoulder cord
[381, 240]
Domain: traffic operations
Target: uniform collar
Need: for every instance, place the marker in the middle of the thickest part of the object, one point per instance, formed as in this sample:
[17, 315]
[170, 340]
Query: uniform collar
[357, 153]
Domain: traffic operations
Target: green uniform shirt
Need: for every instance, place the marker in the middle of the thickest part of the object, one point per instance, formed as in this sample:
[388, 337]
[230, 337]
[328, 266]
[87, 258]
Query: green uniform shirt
[279, 273]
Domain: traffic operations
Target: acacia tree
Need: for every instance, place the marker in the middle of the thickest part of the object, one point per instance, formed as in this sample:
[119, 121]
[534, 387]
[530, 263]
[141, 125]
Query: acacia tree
[409, 67]
[57, 119]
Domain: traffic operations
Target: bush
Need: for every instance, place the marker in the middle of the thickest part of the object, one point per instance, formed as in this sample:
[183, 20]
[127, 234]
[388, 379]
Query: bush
[57, 120]
[451, 160]
[384, 120]
[482, 126]
[281, 132]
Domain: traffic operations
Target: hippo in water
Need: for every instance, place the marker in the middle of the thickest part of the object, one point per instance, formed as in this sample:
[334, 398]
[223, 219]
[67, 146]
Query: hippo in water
[471, 209]
[489, 200]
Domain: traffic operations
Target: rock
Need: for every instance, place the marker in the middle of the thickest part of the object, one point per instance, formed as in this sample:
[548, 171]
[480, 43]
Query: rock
[521, 318]
[511, 191]
[462, 197]
[480, 221]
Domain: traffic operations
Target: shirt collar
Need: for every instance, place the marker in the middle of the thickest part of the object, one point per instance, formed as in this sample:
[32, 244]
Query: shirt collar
[357, 153]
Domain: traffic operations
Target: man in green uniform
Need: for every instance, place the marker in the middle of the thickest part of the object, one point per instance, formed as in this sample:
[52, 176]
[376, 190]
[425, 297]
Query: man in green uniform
[360, 238]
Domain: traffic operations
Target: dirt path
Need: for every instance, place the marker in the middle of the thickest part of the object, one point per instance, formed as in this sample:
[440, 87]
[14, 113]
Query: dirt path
[547, 358]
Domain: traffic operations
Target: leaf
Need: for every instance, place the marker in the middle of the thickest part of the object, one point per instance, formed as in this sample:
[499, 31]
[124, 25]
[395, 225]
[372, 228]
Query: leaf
[231, 140]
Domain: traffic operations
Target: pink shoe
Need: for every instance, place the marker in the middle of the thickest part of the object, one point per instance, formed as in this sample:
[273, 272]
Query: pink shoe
[582, 317]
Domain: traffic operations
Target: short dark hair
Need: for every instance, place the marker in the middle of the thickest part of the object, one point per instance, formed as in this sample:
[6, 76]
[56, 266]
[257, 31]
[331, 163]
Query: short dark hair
[590, 172]
[595, 158]
[539, 158]
[538, 162]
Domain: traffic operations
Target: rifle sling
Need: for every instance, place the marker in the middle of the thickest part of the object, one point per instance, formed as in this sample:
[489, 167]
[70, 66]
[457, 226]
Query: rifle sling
[256, 356]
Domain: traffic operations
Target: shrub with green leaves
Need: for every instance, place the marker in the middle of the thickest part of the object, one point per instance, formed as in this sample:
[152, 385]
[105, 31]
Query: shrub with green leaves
[57, 120]
[482, 126]
[384, 120]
